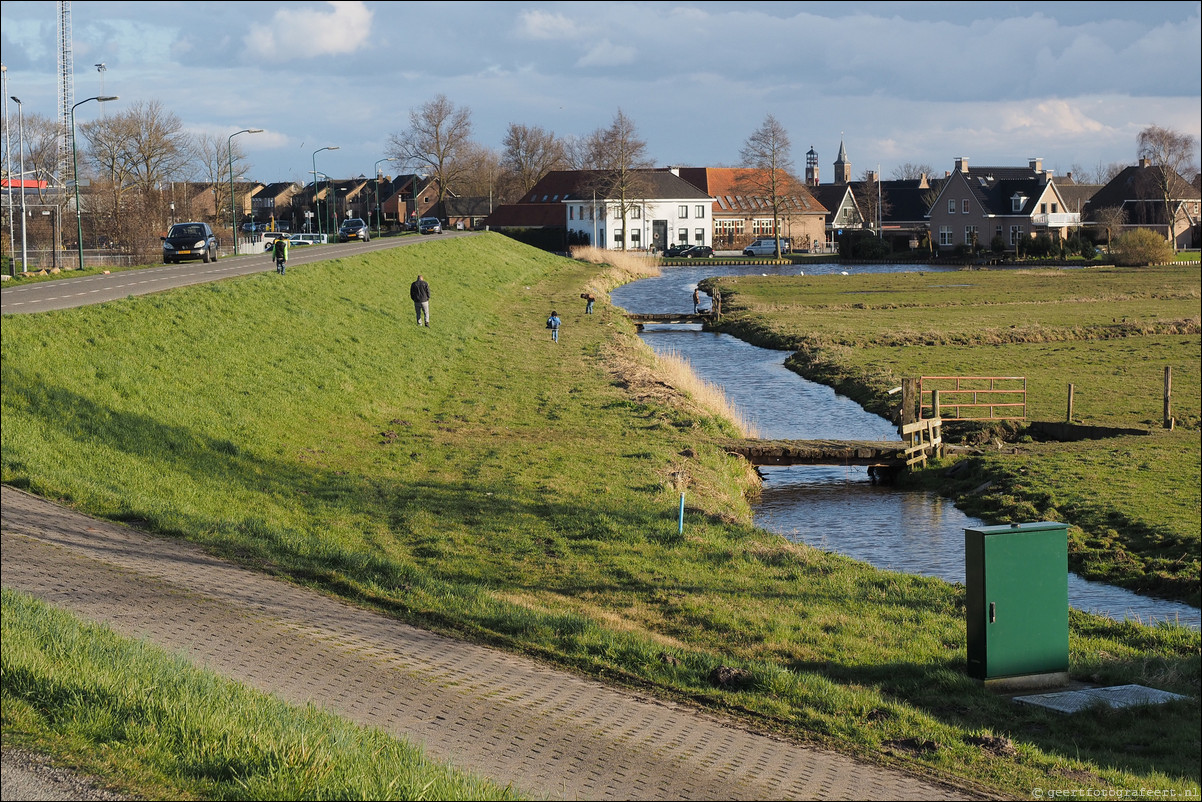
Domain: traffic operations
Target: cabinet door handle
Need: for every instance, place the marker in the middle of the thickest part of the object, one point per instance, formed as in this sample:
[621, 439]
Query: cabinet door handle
[992, 612]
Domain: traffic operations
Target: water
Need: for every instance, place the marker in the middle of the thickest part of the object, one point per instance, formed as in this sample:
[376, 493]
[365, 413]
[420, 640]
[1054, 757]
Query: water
[838, 509]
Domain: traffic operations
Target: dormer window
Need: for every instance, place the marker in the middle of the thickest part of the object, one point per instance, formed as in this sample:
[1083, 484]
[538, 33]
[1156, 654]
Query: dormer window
[1017, 202]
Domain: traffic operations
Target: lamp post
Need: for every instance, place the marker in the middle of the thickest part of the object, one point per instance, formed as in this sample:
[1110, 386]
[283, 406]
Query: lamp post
[8, 168]
[316, 202]
[75, 170]
[378, 161]
[229, 143]
[21, 145]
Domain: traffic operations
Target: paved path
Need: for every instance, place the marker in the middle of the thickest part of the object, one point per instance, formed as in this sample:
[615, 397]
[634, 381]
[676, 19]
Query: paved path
[550, 733]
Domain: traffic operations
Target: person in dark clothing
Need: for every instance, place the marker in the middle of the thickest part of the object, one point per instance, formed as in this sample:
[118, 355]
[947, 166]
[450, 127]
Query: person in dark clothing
[419, 291]
[590, 299]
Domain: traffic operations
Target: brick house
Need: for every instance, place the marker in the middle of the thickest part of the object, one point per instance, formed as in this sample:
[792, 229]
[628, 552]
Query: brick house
[740, 215]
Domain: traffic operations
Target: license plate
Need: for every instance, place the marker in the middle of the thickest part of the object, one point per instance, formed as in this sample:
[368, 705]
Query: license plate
[185, 252]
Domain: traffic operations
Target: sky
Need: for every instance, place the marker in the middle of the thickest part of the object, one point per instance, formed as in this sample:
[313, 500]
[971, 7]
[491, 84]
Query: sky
[998, 83]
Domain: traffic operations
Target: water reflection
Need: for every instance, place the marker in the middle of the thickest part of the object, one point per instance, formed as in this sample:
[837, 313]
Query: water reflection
[838, 508]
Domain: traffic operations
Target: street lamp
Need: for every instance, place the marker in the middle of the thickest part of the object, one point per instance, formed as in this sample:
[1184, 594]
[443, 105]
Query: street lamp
[21, 145]
[233, 214]
[75, 170]
[389, 159]
[316, 202]
[8, 168]
[316, 212]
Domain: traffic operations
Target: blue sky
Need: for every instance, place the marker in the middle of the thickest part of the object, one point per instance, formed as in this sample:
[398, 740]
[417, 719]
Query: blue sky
[996, 82]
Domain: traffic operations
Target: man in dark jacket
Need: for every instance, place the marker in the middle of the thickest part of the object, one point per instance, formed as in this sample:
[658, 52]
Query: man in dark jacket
[419, 291]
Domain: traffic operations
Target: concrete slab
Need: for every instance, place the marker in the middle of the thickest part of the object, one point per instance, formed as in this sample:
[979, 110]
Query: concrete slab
[1115, 697]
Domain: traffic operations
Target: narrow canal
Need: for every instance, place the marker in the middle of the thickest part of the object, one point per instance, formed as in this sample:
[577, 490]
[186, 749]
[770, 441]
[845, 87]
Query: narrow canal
[837, 509]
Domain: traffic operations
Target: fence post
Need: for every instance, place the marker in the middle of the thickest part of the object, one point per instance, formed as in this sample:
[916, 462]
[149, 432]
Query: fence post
[910, 401]
[1168, 392]
[1069, 418]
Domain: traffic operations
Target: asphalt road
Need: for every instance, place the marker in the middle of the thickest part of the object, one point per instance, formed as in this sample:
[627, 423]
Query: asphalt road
[65, 293]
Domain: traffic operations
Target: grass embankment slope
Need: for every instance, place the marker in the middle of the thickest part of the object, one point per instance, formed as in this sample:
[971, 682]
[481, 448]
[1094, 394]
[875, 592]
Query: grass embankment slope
[478, 479]
[1133, 501]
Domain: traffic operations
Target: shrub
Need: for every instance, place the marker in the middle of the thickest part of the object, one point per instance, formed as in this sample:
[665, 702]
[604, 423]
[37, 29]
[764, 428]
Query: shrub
[1140, 246]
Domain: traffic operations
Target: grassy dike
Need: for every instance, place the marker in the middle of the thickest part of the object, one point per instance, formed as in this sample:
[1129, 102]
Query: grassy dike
[1133, 501]
[477, 479]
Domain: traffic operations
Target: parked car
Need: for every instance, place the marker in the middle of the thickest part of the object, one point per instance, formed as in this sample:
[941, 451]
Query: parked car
[353, 228]
[766, 246]
[270, 237]
[307, 239]
[676, 250]
[430, 225]
[189, 241]
[698, 252]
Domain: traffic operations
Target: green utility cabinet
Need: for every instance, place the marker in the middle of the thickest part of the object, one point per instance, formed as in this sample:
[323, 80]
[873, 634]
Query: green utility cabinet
[1016, 577]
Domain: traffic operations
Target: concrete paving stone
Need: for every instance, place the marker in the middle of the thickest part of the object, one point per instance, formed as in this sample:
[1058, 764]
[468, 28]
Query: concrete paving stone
[551, 733]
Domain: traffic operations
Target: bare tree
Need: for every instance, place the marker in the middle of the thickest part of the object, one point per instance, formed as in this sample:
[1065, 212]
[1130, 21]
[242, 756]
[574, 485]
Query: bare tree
[1170, 153]
[911, 172]
[531, 153]
[871, 199]
[137, 151]
[438, 133]
[770, 170]
[212, 156]
[1111, 218]
[1099, 174]
[618, 157]
[481, 173]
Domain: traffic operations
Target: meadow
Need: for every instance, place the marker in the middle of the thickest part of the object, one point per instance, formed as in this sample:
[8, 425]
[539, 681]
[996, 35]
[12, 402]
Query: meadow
[1133, 499]
[477, 479]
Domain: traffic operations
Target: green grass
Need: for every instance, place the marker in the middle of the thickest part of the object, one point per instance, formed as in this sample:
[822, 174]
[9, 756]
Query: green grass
[1110, 332]
[162, 728]
[477, 479]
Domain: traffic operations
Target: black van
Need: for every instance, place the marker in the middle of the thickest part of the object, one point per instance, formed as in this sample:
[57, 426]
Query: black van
[189, 241]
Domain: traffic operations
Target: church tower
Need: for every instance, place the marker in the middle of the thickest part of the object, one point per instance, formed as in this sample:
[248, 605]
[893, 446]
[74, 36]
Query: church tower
[812, 167]
[842, 166]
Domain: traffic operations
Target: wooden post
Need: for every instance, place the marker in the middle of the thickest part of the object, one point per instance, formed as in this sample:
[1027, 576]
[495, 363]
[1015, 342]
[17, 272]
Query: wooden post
[1168, 393]
[935, 404]
[1069, 418]
[910, 401]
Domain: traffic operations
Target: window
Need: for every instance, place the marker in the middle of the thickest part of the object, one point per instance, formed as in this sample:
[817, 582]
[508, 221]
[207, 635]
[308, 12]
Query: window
[1016, 233]
[618, 237]
[951, 206]
[970, 235]
[945, 234]
[1043, 208]
[1055, 207]
[1016, 203]
[762, 227]
[699, 212]
[636, 213]
[571, 213]
[964, 206]
[634, 237]
[682, 212]
[699, 236]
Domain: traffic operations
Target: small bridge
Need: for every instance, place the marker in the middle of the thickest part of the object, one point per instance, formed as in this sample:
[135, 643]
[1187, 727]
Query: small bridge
[921, 440]
[641, 320]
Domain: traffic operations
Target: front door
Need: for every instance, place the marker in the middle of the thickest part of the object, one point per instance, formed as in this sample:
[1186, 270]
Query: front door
[659, 235]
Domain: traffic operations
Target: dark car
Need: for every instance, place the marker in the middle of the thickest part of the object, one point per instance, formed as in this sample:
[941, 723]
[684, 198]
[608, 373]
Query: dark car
[353, 228]
[430, 225]
[189, 241]
[676, 250]
[698, 251]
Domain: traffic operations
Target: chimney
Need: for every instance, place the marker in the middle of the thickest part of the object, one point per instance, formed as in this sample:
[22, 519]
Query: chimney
[1036, 165]
[922, 181]
[1144, 161]
[961, 164]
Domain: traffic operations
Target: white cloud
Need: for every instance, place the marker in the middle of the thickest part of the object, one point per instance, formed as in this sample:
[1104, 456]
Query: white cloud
[606, 54]
[541, 25]
[305, 33]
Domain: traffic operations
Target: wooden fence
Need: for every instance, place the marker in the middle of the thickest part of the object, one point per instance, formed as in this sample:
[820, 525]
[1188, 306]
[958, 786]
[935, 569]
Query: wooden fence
[973, 397]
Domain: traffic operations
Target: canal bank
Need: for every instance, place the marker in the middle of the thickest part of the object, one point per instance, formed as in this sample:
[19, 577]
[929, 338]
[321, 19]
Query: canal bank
[839, 509]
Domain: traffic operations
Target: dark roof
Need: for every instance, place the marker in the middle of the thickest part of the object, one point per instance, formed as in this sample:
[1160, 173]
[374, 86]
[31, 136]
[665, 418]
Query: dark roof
[558, 186]
[528, 215]
[468, 207]
[1139, 183]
